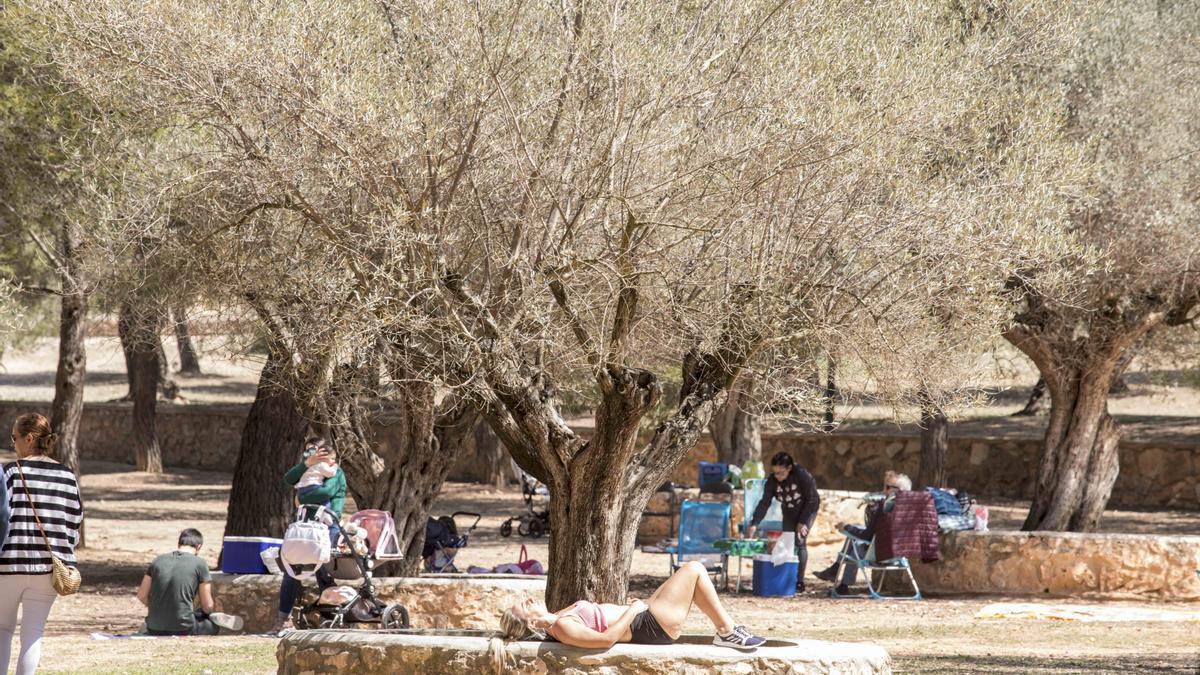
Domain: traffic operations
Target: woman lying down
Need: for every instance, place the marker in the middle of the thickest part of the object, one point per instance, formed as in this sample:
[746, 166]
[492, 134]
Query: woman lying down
[656, 621]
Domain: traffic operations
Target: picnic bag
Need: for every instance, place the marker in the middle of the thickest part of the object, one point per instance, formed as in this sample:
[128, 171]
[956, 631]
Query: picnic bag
[65, 579]
[529, 566]
[306, 542]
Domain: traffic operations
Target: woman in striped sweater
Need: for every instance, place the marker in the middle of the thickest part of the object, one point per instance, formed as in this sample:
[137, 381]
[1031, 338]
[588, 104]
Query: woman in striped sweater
[24, 561]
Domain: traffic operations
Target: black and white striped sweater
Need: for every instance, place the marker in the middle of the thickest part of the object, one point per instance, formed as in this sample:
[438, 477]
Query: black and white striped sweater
[55, 493]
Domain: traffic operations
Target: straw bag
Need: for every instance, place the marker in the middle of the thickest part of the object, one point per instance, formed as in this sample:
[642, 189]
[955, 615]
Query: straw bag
[66, 579]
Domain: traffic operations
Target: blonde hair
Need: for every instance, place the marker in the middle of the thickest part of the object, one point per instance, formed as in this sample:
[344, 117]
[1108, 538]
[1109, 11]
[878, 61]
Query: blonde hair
[513, 627]
[43, 438]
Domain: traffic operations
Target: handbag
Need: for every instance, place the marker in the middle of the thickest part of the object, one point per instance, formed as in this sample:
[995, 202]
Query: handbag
[306, 542]
[65, 579]
[529, 566]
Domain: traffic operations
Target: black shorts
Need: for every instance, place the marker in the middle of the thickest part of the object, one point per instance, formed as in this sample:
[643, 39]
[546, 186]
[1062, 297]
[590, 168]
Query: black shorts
[647, 631]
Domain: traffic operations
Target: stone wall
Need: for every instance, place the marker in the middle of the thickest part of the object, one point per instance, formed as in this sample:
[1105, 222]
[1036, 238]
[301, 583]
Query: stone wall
[192, 436]
[1158, 468]
[1066, 564]
[1152, 473]
[438, 601]
[395, 652]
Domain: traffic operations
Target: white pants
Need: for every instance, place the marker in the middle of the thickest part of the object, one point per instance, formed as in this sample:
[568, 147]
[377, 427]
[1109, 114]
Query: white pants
[34, 593]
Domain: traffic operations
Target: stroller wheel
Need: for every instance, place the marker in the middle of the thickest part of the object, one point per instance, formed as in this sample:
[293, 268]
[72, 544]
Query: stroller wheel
[394, 616]
[523, 528]
[506, 528]
[535, 528]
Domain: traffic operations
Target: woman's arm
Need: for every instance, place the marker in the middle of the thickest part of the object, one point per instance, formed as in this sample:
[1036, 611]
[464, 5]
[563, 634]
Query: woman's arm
[576, 634]
[294, 474]
[764, 504]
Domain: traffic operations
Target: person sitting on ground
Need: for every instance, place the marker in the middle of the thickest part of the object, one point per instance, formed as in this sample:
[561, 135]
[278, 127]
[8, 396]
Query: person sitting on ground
[799, 500]
[174, 585]
[656, 621]
[893, 483]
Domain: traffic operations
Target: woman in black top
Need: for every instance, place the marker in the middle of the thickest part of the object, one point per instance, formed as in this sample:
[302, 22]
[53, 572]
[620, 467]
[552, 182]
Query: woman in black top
[797, 494]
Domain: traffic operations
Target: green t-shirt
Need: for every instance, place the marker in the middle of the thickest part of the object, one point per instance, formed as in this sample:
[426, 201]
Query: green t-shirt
[174, 579]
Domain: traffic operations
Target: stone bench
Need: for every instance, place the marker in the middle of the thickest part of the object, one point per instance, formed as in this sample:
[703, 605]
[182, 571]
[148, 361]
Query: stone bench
[364, 653]
[1066, 564]
[433, 601]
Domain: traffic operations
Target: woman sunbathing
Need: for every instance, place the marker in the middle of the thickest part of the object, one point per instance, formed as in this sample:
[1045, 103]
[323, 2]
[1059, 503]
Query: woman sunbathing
[656, 621]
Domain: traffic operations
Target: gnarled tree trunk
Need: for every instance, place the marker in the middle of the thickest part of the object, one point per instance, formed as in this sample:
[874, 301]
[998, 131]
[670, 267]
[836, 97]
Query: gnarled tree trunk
[402, 472]
[260, 504]
[599, 488]
[736, 432]
[1079, 456]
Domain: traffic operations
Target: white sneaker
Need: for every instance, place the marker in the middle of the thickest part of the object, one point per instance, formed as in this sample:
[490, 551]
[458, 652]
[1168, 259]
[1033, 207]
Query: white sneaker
[739, 638]
[228, 623]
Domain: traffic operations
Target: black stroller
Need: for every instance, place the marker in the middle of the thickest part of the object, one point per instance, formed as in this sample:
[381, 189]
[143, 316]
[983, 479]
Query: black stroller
[442, 541]
[534, 522]
[337, 606]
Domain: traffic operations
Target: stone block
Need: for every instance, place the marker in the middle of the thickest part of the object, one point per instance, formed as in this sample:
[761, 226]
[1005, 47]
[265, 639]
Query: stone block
[424, 652]
[433, 601]
[1091, 566]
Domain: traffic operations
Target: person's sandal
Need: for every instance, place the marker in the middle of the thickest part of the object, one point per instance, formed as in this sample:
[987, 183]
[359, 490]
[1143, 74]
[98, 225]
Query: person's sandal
[739, 638]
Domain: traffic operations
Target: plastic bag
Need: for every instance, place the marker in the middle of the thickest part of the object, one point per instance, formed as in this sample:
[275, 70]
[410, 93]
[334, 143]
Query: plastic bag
[753, 468]
[784, 550]
[981, 518]
[270, 560]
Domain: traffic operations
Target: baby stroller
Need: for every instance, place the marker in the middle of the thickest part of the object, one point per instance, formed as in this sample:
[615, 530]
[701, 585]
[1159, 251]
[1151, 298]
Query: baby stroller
[367, 539]
[442, 541]
[534, 522]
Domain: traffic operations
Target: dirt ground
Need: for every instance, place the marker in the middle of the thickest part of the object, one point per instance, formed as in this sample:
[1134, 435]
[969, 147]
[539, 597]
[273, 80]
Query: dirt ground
[131, 517]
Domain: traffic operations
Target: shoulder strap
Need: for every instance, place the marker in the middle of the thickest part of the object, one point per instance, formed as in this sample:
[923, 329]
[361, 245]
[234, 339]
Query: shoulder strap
[33, 508]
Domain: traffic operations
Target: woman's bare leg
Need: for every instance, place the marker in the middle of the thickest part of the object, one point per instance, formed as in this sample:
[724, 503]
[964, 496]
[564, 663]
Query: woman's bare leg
[673, 600]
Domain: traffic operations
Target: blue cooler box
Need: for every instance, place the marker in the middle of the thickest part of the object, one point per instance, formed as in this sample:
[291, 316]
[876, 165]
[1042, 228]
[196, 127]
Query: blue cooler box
[775, 580]
[243, 555]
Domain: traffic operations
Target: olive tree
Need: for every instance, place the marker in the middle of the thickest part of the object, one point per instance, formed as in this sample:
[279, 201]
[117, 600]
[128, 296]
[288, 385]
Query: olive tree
[489, 202]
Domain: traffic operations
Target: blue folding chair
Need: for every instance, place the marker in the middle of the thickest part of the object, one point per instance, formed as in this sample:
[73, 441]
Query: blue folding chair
[753, 490]
[701, 524]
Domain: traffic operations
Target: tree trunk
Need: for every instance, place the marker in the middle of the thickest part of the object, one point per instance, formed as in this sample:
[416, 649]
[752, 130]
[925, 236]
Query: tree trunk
[827, 423]
[143, 373]
[67, 409]
[1038, 402]
[189, 360]
[737, 433]
[404, 472]
[260, 504]
[1079, 456]
[166, 384]
[934, 445]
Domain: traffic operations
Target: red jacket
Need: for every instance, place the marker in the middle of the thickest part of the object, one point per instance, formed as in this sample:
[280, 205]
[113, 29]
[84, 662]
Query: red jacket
[909, 530]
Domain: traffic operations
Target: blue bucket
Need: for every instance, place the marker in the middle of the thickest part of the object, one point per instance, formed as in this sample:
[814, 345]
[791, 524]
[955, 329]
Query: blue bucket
[772, 580]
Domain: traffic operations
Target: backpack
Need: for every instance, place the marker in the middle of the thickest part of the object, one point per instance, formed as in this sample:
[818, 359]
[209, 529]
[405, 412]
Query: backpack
[306, 542]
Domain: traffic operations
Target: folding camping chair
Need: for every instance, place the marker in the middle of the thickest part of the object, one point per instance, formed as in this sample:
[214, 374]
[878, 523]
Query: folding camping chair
[752, 493]
[701, 524]
[867, 564]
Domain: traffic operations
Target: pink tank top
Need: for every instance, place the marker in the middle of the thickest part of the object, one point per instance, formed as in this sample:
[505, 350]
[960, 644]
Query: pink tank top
[591, 615]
